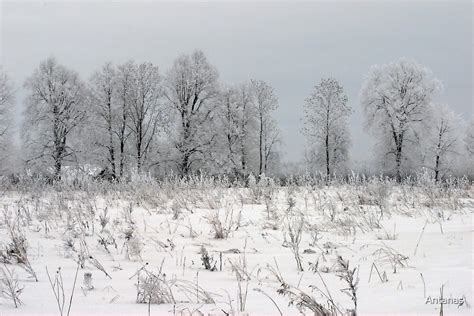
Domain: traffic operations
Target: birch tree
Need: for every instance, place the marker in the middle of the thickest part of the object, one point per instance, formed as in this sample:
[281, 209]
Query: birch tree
[265, 102]
[191, 89]
[396, 99]
[326, 126]
[55, 108]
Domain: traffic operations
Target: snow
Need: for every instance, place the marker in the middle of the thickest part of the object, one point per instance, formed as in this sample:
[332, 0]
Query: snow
[443, 256]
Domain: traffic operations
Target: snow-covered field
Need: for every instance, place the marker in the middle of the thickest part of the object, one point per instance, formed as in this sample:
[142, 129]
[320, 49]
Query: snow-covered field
[406, 243]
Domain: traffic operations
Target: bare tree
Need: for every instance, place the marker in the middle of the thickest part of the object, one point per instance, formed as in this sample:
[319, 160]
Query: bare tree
[444, 139]
[145, 112]
[469, 145]
[265, 102]
[125, 92]
[191, 90]
[247, 125]
[55, 107]
[237, 124]
[326, 120]
[103, 95]
[396, 99]
[230, 123]
[6, 102]
[469, 139]
[271, 140]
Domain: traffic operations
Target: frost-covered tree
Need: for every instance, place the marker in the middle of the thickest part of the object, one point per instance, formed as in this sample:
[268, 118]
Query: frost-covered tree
[444, 139]
[237, 125]
[54, 109]
[230, 117]
[469, 139]
[103, 86]
[6, 103]
[469, 146]
[146, 114]
[265, 102]
[124, 81]
[191, 89]
[396, 99]
[127, 102]
[248, 125]
[326, 126]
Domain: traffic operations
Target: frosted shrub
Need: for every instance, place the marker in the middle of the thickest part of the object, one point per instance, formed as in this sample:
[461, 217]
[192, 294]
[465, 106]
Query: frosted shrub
[156, 288]
[349, 276]
[254, 188]
[375, 193]
[15, 252]
[207, 261]
[104, 219]
[295, 225]
[9, 286]
[224, 221]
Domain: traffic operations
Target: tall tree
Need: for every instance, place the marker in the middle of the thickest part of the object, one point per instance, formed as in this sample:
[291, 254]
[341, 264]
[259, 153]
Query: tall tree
[326, 126]
[237, 127]
[104, 98]
[444, 139]
[145, 112]
[124, 81]
[265, 102]
[396, 98]
[6, 103]
[191, 89]
[247, 125]
[469, 139]
[55, 108]
[469, 146]
[230, 123]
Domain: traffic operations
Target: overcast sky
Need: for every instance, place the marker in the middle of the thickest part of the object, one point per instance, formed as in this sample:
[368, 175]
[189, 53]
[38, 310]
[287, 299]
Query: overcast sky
[289, 45]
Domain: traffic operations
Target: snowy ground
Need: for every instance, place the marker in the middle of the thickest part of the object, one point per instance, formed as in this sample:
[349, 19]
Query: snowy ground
[405, 243]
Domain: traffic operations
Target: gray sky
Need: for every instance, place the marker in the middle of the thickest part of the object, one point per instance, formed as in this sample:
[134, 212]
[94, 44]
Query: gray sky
[290, 45]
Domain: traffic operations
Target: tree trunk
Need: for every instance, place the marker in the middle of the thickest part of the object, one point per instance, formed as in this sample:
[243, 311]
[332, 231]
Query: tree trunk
[243, 158]
[139, 157]
[328, 171]
[57, 168]
[122, 151]
[438, 150]
[57, 155]
[260, 166]
[398, 139]
[242, 142]
[111, 140]
[186, 155]
[122, 138]
[185, 164]
[437, 169]
[398, 162]
[139, 139]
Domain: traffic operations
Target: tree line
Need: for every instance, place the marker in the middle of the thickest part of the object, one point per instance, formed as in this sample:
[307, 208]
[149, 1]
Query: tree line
[133, 118]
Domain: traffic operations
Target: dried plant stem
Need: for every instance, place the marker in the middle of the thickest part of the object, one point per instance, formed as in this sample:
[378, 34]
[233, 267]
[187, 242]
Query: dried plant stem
[419, 239]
